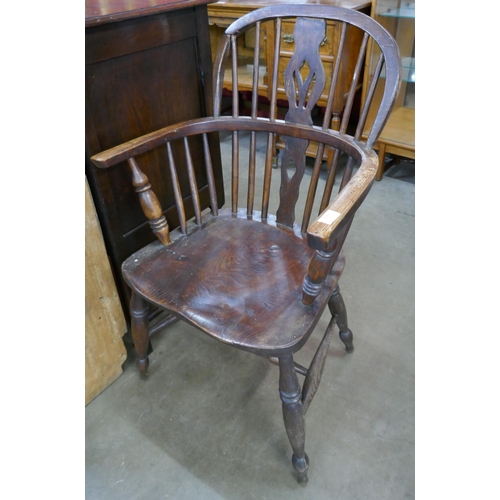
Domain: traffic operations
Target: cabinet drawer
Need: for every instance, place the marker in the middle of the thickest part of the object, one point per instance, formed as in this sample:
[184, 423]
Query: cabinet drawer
[326, 47]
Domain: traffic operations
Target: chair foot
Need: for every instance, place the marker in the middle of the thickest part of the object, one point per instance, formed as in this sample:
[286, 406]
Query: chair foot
[301, 465]
[346, 338]
[337, 306]
[142, 366]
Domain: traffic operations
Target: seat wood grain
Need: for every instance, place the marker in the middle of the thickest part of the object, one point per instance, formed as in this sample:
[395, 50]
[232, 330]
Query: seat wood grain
[236, 279]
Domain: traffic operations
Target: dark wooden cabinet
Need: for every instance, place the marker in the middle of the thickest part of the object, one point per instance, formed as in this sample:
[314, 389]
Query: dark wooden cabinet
[146, 67]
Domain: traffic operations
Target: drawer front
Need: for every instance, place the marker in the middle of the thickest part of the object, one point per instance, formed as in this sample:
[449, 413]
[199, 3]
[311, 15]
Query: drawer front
[326, 47]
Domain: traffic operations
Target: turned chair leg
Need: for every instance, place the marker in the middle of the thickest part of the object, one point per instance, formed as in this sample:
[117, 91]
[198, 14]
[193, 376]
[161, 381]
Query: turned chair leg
[337, 306]
[293, 415]
[139, 313]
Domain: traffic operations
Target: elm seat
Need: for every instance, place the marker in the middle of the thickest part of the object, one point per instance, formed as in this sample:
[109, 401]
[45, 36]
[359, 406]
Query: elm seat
[245, 277]
[265, 265]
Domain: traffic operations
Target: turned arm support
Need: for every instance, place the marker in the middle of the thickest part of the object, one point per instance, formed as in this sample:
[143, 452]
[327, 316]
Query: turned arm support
[127, 152]
[327, 233]
[149, 201]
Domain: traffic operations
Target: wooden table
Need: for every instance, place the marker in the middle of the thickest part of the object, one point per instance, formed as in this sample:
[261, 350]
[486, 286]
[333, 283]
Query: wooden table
[148, 65]
[397, 138]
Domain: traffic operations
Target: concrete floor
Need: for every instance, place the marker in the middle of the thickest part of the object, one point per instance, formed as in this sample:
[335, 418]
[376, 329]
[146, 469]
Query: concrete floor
[208, 423]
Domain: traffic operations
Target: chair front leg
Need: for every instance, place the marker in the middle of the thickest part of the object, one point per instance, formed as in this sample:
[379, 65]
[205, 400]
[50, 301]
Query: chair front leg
[337, 306]
[139, 313]
[293, 415]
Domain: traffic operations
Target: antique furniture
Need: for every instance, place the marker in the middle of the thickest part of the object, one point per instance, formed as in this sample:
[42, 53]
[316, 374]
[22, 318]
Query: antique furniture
[222, 13]
[398, 136]
[147, 65]
[250, 279]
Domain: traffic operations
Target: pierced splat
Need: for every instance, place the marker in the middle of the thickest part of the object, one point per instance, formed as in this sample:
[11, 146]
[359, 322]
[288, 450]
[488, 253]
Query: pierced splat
[303, 93]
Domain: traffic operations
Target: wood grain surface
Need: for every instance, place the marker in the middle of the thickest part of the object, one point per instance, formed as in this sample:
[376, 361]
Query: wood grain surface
[236, 279]
[104, 319]
[109, 11]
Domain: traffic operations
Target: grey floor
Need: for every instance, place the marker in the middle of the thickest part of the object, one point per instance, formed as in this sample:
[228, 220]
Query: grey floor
[208, 423]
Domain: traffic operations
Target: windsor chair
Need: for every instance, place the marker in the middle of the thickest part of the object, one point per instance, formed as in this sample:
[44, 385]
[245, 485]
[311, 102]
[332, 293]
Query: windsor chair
[248, 278]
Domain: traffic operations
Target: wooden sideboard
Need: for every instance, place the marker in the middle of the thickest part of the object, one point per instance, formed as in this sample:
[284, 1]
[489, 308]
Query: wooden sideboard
[222, 13]
[148, 65]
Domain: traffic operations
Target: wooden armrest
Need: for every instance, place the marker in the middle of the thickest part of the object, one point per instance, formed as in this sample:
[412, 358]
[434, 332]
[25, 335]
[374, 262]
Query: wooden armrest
[326, 234]
[323, 231]
[124, 151]
[147, 142]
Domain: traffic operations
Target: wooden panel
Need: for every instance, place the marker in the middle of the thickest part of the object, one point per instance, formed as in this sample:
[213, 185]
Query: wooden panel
[135, 35]
[104, 319]
[137, 108]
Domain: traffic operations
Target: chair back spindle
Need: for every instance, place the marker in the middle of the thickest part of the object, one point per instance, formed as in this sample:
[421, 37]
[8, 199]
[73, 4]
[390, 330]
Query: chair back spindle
[235, 172]
[192, 182]
[210, 176]
[253, 135]
[335, 77]
[275, 70]
[268, 170]
[251, 173]
[177, 190]
[256, 69]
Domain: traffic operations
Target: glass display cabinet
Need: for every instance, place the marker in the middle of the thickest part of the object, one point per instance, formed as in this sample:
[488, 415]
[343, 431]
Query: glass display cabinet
[398, 137]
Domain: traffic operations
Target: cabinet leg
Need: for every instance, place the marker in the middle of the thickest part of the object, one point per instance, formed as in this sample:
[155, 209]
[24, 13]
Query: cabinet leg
[381, 161]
